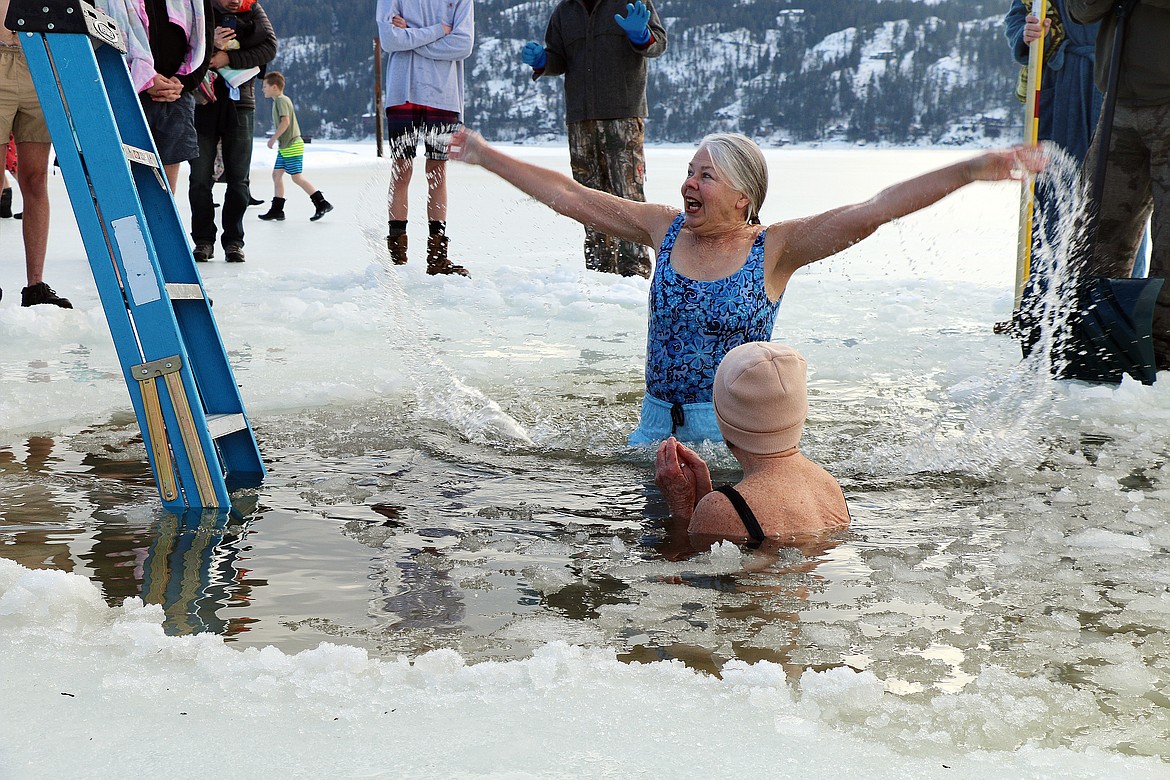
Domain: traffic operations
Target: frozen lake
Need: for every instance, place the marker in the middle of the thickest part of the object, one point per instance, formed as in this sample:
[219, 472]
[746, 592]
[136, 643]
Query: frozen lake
[451, 508]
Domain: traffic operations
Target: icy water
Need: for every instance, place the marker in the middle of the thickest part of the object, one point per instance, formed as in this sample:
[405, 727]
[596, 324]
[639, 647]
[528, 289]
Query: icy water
[450, 497]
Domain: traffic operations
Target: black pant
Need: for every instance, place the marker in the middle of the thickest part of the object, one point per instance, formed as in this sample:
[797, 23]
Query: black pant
[237, 160]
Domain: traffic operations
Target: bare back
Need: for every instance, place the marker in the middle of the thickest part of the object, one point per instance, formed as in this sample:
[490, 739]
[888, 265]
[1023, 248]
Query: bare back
[794, 498]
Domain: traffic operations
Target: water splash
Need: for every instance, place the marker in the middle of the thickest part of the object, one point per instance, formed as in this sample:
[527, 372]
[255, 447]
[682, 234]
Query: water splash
[978, 425]
[440, 394]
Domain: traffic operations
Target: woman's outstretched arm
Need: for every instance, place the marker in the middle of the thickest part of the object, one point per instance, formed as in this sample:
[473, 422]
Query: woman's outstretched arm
[626, 219]
[798, 242]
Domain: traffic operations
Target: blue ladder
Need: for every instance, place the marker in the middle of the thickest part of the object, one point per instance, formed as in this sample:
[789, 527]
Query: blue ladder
[197, 435]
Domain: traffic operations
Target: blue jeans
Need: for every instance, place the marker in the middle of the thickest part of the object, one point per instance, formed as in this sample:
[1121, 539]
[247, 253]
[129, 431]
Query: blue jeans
[657, 423]
[237, 161]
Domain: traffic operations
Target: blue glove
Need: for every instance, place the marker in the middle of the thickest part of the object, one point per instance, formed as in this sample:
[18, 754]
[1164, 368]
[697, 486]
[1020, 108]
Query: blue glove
[532, 53]
[636, 22]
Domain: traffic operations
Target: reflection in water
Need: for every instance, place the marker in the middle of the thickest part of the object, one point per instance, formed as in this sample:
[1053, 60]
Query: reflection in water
[76, 508]
[193, 569]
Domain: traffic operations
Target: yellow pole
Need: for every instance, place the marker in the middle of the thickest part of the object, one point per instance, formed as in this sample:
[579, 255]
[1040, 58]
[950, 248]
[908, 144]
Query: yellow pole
[1031, 136]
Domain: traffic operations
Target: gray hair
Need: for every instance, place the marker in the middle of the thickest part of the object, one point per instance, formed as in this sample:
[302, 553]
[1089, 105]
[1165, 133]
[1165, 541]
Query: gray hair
[740, 161]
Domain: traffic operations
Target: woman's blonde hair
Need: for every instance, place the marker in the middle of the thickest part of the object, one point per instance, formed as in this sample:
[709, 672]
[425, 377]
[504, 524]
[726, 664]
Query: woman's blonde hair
[740, 161]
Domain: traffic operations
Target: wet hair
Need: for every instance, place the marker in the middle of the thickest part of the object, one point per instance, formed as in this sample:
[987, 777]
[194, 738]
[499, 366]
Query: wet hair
[739, 160]
[275, 78]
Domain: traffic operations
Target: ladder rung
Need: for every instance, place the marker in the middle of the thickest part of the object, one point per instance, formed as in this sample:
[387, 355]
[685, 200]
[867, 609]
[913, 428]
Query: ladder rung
[220, 425]
[184, 292]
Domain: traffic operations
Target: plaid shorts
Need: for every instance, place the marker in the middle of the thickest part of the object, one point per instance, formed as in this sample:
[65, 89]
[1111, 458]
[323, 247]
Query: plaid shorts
[406, 123]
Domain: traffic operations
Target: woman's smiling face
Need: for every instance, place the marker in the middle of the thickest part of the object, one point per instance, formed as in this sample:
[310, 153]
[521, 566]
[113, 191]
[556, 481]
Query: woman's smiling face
[707, 197]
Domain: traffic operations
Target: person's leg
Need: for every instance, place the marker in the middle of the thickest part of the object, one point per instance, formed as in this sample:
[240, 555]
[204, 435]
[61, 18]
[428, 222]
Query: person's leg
[203, 228]
[399, 194]
[583, 158]
[1125, 204]
[437, 190]
[33, 177]
[306, 185]
[1156, 130]
[438, 128]
[172, 172]
[5, 196]
[278, 183]
[625, 164]
[276, 210]
[237, 158]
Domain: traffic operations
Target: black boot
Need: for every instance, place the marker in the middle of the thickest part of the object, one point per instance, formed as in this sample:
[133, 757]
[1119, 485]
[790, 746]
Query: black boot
[6, 203]
[323, 206]
[276, 211]
[42, 293]
[437, 261]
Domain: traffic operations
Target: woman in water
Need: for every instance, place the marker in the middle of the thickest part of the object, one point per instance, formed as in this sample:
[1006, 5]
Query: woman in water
[719, 275]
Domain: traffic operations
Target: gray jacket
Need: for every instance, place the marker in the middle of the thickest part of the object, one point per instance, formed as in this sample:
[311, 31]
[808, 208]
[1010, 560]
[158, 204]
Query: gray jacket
[425, 66]
[605, 74]
[1145, 64]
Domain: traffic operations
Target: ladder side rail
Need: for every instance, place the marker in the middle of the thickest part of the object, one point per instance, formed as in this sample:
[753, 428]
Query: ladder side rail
[215, 382]
[98, 140]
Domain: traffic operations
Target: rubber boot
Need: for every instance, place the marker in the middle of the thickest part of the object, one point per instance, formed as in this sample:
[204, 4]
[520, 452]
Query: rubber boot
[323, 206]
[397, 246]
[6, 203]
[276, 211]
[437, 261]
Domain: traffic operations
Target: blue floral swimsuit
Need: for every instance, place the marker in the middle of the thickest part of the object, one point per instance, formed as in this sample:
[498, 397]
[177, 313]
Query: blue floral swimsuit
[693, 324]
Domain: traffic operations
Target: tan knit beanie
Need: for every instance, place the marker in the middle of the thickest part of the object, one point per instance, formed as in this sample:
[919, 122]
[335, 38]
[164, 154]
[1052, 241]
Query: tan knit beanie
[761, 397]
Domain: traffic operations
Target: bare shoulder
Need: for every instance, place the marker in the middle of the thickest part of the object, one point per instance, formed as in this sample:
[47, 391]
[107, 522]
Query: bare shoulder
[657, 221]
[715, 516]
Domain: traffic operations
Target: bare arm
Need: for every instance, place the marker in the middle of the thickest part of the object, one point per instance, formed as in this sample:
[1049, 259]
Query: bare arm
[281, 126]
[627, 219]
[798, 242]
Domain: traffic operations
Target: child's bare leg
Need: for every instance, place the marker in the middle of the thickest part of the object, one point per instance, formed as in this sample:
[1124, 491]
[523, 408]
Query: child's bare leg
[300, 180]
[278, 183]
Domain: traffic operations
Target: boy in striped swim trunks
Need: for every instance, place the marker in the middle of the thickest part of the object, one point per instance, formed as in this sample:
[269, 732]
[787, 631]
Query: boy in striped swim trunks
[290, 156]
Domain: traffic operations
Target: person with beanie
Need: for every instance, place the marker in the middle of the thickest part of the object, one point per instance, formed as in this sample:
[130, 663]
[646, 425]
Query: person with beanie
[290, 156]
[761, 402]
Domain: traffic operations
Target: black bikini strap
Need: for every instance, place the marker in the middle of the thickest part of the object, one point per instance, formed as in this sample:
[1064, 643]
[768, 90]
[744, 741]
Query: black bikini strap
[745, 512]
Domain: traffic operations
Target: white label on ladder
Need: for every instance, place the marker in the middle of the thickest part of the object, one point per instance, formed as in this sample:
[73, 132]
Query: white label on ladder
[140, 278]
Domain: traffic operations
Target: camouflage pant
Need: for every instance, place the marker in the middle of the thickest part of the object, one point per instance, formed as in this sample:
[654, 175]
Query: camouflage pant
[1137, 182]
[606, 155]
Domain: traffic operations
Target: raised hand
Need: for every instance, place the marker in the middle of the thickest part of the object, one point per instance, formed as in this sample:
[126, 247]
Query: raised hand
[533, 54]
[465, 146]
[636, 22]
[1008, 164]
[682, 476]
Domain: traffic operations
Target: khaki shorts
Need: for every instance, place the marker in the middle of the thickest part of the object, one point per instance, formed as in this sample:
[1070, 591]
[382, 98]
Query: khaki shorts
[20, 111]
